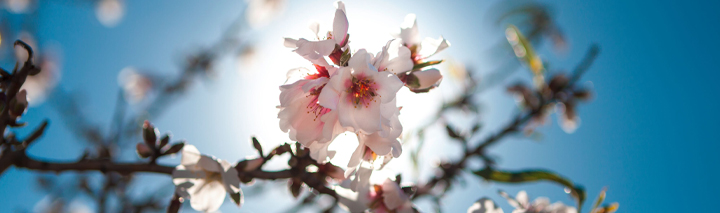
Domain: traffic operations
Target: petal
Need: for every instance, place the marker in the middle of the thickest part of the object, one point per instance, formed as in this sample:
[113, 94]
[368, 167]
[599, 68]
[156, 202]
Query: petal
[402, 63]
[367, 119]
[428, 78]
[190, 155]
[340, 27]
[315, 27]
[319, 151]
[355, 158]
[360, 63]
[409, 31]
[379, 145]
[231, 180]
[388, 85]
[393, 196]
[207, 196]
[209, 164]
[314, 84]
[522, 198]
[290, 43]
[484, 205]
[432, 46]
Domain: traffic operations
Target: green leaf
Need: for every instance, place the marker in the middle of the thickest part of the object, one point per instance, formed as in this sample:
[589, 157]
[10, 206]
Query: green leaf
[237, 198]
[426, 64]
[532, 176]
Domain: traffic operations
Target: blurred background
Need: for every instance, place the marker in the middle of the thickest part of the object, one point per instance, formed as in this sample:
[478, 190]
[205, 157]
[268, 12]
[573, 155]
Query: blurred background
[208, 72]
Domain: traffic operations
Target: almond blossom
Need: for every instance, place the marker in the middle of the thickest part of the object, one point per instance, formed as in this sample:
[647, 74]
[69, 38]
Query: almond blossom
[383, 197]
[540, 205]
[333, 45]
[484, 205]
[205, 180]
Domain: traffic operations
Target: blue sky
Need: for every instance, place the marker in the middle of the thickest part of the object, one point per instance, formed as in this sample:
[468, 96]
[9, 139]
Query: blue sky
[648, 134]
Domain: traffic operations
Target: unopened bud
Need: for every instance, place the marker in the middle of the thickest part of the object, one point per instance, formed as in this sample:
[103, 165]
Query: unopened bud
[143, 150]
[149, 133]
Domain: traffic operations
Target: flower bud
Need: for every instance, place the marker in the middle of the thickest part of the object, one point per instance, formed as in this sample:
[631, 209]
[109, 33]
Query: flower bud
[149, 133]
[143, 150]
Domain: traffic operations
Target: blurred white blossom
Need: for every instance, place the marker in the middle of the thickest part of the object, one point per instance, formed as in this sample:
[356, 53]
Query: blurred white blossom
[260, 12]
[110, 12]
[205, 180]
[539, 205]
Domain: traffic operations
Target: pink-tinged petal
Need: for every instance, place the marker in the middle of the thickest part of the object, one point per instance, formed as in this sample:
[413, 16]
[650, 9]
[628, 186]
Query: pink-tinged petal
[340, 6]
[207, 196]
[330, 95]
[362, 179]
[346, 113]
[312, 49]
[290, 42]
[409, 31]
[432, 46]
[332, 127]
[388, 85]
[379, 145]
[400, 64]
[319, 152]
[393, 196]
[314, 84]
[291, 92]
[209, 164]
[360, 63]
[329, 98]
[367, 117]
[230, 178]
[315, 28]
[396, 148]
[428, 78]
[382, 57]
[355, 159]
[388, 111]
[190, 155]
[340, 28]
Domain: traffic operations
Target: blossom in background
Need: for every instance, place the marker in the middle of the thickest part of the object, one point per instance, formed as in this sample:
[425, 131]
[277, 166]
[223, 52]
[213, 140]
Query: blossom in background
[136, 86]
[205, 180]
[18, 6]
[387, 196]
[260, 12]
[420, 51]
[484, 205]
[539, 205]
[110, 12]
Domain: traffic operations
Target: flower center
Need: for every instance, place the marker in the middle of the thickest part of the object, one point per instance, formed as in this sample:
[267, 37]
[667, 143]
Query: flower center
[361, 91]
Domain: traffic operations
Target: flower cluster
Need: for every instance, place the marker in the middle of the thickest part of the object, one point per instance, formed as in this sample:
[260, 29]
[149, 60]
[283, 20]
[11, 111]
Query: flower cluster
[356, 92]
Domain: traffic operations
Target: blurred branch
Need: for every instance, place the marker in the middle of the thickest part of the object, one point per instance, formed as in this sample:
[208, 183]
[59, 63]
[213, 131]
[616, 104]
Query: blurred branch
[451, 170]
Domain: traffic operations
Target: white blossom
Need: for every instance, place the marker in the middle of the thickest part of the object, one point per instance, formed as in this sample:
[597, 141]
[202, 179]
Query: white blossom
[387, 196]
[484, 205]
[205, 180]
[539, 205]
